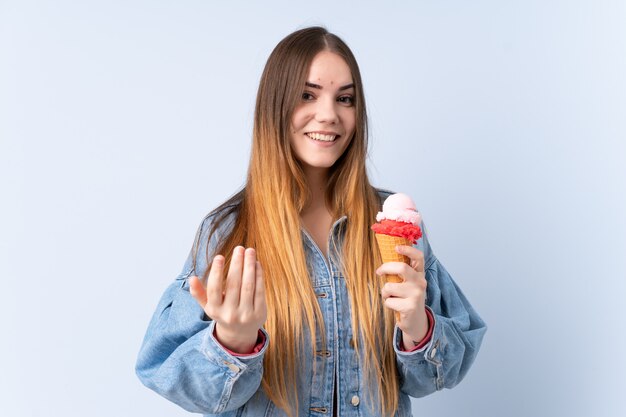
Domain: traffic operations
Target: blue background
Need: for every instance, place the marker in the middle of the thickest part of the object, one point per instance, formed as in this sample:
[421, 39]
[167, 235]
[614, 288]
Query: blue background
[122, 123]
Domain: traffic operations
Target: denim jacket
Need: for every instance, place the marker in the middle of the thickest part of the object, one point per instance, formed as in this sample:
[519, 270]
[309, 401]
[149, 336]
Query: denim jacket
[181, 360]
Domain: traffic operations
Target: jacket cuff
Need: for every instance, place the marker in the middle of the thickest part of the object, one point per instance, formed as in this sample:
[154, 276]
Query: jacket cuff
[426, 343]
[426, 339]
[234, 364]
[260, 342]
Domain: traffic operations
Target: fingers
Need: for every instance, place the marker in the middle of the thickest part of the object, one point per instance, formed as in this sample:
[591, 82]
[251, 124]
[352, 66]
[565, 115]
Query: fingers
[415, 255]
[401, 305]
[259, 290]
[403, 290]
[214, 282]
[248, 280]
[392, 289]
[197, 290]
[395, 268]
[237, 304]
[233, 282]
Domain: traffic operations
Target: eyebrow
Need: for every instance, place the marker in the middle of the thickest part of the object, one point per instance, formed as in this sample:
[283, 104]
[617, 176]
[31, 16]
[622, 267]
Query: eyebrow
[319, 87]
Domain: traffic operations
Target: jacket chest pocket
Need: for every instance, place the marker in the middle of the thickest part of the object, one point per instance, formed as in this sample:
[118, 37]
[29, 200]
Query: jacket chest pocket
[318, 271]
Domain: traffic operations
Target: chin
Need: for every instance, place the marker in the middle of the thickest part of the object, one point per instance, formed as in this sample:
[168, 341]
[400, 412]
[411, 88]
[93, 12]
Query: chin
[321, 164]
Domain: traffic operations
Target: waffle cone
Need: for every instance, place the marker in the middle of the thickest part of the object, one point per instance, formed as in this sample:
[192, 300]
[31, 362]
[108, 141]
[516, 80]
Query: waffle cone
[387, 245]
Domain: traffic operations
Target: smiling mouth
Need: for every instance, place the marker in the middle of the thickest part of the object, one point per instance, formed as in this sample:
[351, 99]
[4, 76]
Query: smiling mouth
[322, 138]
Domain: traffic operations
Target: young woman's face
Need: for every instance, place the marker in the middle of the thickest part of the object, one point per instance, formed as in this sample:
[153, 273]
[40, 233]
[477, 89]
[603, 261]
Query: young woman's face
[324, 120]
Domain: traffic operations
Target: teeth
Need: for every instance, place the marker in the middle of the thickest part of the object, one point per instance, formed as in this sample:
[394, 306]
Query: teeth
[323, 138]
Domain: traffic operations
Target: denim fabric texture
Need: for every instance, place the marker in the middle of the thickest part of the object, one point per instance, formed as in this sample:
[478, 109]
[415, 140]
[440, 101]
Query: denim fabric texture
[181, 360]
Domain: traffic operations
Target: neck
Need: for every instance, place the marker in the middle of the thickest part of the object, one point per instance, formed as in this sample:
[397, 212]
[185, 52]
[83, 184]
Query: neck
[317, 180]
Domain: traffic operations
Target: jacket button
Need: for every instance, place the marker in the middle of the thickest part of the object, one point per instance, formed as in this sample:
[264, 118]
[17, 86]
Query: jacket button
[231, 366]
[433, 352]
[355, 400]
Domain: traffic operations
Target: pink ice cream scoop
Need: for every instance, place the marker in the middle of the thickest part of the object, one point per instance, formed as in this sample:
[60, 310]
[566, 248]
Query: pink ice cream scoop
[401, 208]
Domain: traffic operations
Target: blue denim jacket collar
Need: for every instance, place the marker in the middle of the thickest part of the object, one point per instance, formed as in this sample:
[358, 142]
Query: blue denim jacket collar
[335, 239]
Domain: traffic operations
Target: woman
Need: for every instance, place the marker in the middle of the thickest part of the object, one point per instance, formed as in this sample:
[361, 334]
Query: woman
[282, 308]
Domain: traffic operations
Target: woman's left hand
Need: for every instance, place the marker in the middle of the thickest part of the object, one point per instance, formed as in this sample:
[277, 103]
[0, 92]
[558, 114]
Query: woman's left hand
[408, 298]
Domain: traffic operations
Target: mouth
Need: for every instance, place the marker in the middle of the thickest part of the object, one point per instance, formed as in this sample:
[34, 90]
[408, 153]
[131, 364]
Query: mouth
[321, 137]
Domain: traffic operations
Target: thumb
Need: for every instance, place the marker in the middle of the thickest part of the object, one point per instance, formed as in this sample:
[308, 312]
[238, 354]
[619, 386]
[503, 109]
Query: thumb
[197, 290]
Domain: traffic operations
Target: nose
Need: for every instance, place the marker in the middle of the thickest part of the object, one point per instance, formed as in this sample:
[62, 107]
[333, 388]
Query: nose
[326, 111]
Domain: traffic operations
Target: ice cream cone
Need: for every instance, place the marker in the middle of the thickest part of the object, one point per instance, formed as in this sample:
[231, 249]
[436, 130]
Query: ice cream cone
[397, 224]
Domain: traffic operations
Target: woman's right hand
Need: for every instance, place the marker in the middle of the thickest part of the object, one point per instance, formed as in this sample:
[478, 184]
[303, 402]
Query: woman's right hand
[237, 305]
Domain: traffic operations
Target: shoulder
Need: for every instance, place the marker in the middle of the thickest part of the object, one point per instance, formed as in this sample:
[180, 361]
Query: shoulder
[222, 218]
[383, 193]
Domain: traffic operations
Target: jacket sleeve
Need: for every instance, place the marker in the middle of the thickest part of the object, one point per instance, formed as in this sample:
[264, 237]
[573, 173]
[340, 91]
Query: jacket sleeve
[180, 358]
[456, 338]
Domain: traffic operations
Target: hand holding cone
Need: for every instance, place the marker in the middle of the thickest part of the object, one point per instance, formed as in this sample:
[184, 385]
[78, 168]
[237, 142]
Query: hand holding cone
[398, 224]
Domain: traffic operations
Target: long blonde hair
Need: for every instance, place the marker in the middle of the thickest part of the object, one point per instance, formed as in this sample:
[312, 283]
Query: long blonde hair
[267, 218]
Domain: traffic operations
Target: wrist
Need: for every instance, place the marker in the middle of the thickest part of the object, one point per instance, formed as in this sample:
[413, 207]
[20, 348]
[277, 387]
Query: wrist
[238, 342]
[421, 335]
[409, 342]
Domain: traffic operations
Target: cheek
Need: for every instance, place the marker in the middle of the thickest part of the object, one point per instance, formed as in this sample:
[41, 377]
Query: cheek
[299, 120]
[349, 119]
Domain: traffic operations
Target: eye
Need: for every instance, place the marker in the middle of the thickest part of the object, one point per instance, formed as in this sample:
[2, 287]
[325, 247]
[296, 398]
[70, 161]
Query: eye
[346, 99]
[306, 95]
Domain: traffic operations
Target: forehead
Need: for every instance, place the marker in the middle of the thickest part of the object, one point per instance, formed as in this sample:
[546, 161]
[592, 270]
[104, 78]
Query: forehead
[329, 69]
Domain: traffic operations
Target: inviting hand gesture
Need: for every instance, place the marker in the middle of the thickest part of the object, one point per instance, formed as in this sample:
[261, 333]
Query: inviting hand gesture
[237, 305]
